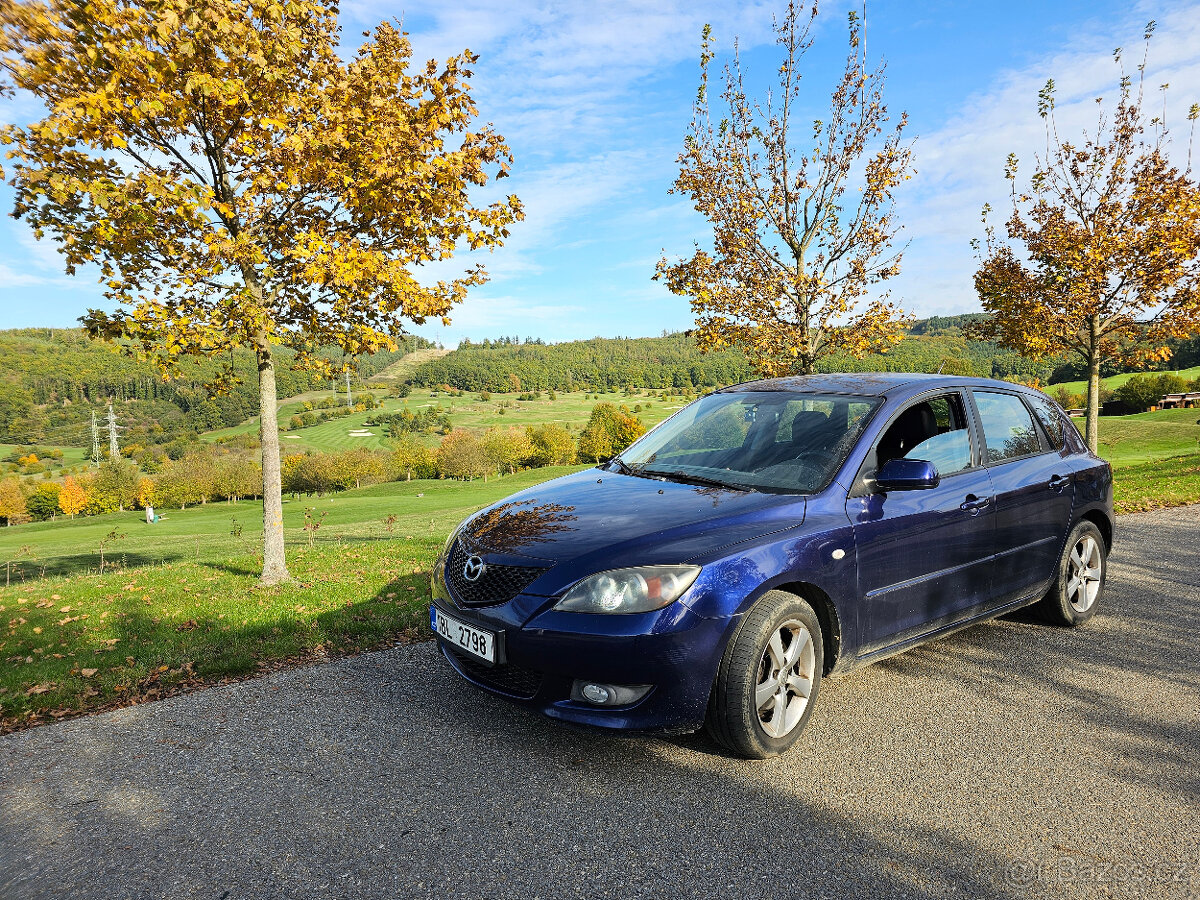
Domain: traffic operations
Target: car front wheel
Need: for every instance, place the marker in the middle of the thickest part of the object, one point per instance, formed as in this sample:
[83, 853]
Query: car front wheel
[768, 679]
[1076, 592]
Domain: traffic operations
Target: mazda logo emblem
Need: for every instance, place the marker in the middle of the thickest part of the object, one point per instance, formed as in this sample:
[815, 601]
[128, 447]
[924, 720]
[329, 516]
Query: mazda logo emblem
[473, 568]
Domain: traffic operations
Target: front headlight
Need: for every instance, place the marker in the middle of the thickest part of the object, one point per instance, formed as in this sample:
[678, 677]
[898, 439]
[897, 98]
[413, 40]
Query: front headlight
[629, 590]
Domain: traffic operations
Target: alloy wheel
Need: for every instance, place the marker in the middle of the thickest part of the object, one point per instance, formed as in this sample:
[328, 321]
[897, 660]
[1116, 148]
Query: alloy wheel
[1085, 568]
[785, 678]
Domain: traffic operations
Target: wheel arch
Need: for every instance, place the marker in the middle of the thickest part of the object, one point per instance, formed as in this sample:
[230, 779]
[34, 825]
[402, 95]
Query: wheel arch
[827, 615]
[1102, 522]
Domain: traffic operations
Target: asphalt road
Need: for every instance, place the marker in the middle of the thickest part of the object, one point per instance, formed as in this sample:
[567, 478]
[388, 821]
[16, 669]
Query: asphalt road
[1010, 760]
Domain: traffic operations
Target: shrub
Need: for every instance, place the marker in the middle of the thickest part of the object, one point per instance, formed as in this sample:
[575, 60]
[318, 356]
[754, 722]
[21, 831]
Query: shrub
[411, 459]
[42, 504]
[552, 445]
[506, 449]
[461, 456]
[1143, 391]
[12, 502]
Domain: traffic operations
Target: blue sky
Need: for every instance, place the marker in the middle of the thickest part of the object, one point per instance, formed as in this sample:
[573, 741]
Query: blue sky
[595, 99]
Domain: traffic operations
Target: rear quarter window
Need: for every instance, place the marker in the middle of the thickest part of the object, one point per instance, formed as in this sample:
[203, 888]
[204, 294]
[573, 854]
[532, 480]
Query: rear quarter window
[1051, 417]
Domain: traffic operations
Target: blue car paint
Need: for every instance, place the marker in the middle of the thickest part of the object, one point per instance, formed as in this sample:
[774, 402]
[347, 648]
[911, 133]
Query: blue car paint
[886, 571]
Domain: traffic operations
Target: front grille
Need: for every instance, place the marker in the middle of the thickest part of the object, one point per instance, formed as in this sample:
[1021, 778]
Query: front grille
[517, 681]
[497, 584]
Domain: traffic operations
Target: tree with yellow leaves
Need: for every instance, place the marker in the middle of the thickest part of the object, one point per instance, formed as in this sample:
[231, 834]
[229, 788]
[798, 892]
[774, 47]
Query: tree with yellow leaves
[1102, 259]
[72, 498]
[239, 185]
[12, 502]
[792, 259]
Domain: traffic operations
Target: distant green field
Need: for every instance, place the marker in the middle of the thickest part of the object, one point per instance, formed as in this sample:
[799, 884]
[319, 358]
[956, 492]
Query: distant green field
[1115, 381]
[467, 411]
[216, 531]
[1127, 440]
[71, 456]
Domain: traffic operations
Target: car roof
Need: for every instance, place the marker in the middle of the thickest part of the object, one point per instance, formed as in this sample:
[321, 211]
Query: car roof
[868, 384]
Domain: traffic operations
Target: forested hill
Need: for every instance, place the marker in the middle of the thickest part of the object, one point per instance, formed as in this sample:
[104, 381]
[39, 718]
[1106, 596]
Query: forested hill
[673, 361]
[51, 380]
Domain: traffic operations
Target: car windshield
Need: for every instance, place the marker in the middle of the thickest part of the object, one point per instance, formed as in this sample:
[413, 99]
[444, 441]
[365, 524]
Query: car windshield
[767, 441]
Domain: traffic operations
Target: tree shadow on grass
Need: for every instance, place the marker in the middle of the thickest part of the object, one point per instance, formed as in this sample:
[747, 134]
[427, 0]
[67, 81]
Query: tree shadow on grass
[84, 563]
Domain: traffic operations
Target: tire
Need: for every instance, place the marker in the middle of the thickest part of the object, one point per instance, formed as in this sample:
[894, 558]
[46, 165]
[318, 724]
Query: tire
[754, 711]
[1079, 585]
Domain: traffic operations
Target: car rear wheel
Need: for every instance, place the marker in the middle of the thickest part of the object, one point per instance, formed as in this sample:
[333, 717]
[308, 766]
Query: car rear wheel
[768, 679]
[1080, 582]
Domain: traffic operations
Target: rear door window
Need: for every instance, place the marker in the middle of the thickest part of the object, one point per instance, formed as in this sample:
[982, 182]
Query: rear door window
[1008, 429]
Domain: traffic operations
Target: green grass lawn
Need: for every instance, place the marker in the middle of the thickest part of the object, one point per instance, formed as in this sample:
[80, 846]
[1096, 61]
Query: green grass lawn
[1174, 481]
[178, 603]
[467, 411]
[1154, 457]
[71, 456]
[1115, 381]
[1126, 440]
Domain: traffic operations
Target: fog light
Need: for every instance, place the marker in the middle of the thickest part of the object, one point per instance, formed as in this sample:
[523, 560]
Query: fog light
[596, 693]
[608, 694]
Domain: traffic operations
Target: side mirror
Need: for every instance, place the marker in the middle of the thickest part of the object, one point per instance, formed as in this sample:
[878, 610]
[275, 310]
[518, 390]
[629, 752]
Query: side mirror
[907, 475]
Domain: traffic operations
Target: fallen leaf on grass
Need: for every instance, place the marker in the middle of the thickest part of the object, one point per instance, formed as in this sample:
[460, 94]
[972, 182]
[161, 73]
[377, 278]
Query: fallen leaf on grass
[88, 673]
[189, 625]
[41, 604]
[40, 688]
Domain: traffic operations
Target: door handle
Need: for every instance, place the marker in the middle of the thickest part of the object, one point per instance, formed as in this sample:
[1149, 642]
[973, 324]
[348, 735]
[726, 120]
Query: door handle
[974, 504]
[1058, 482]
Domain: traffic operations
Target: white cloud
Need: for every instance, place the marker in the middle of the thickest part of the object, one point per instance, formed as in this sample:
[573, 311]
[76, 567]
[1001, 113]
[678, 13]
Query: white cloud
[10, 278]
[961, 165]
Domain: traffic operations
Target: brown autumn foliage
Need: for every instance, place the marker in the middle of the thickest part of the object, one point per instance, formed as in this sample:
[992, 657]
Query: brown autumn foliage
[801, 212]
[1102, 256]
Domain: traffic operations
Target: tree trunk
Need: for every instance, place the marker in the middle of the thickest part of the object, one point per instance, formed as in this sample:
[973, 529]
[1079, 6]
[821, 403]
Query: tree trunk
[274, 561]
[1092, 429]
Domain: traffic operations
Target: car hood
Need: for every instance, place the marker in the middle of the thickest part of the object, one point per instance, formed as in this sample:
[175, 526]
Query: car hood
[595, 520]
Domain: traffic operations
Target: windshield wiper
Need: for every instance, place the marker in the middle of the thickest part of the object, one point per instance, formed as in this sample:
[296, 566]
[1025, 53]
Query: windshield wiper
[623, 467]
[690, 478]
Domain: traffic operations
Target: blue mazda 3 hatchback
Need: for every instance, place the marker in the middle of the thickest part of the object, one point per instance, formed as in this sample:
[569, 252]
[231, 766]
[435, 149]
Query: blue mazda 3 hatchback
[767, 536]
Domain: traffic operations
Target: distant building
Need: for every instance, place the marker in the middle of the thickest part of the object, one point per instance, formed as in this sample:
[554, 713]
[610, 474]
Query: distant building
[1180, 401]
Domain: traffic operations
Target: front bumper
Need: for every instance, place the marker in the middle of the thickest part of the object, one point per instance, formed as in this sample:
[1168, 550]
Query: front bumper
[674, 649]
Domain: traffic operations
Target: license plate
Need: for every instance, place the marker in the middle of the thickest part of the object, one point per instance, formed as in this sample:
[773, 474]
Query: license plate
[466, 637]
